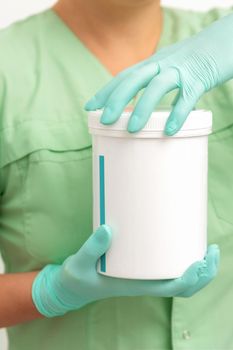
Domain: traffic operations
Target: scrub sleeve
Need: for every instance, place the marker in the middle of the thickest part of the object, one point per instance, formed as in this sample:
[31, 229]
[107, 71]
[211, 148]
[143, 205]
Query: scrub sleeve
[46, 76]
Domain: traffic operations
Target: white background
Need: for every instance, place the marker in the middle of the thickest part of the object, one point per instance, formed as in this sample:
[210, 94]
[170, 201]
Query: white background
[12, 10]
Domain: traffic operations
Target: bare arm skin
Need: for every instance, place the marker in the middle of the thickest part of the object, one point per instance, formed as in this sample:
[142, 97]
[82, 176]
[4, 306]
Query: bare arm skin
[16, 305]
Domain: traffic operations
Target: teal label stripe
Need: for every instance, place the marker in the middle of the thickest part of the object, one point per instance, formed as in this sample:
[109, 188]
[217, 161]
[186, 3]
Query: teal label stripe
[102, 206]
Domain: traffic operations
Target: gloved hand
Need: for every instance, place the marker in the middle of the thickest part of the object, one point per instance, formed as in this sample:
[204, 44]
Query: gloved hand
[61, 288]
[194, 66]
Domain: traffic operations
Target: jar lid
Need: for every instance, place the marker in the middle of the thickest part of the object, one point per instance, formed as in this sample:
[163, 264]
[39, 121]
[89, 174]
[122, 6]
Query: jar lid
[198, 123]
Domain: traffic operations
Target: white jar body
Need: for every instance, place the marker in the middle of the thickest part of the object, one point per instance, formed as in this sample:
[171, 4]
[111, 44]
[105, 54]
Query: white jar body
[152, 192]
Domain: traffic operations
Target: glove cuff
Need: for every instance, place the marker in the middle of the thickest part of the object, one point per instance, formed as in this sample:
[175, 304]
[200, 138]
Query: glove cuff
[44, 292]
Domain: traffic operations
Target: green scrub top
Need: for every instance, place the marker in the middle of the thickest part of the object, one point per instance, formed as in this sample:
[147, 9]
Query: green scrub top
[46, 76]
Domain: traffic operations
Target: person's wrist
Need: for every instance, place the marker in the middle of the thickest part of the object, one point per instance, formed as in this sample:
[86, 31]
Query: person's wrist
[44, 293]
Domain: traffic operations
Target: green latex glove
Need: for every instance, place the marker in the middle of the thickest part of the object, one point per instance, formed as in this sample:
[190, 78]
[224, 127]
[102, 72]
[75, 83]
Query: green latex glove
[58, 289]
[194, 66]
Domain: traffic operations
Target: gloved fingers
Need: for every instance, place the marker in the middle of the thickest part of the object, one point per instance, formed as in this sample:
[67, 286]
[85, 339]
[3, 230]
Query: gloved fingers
[126, 90]
[171, 288]
[159, 288]
[194, 278]
[100, 98]
[180, 112]
[188, 280]
[96, 245]
[206, 273]
[98, 101]
[181, 284]
[158, 87]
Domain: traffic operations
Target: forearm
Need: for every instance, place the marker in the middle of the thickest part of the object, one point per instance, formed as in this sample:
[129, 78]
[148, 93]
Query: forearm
[16, 305]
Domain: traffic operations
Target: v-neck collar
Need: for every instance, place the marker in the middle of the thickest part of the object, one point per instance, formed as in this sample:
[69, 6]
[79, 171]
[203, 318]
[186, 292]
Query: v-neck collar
[88, 52]
[75, 41]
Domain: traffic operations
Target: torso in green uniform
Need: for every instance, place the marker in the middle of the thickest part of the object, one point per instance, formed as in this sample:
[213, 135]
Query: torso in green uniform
[46, 76]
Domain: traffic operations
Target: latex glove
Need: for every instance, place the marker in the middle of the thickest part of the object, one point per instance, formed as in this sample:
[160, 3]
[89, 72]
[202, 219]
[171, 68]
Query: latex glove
[61, 288]
[194, 66]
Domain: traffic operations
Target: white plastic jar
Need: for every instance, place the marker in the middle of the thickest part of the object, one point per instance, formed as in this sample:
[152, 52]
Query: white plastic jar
[151, 189]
